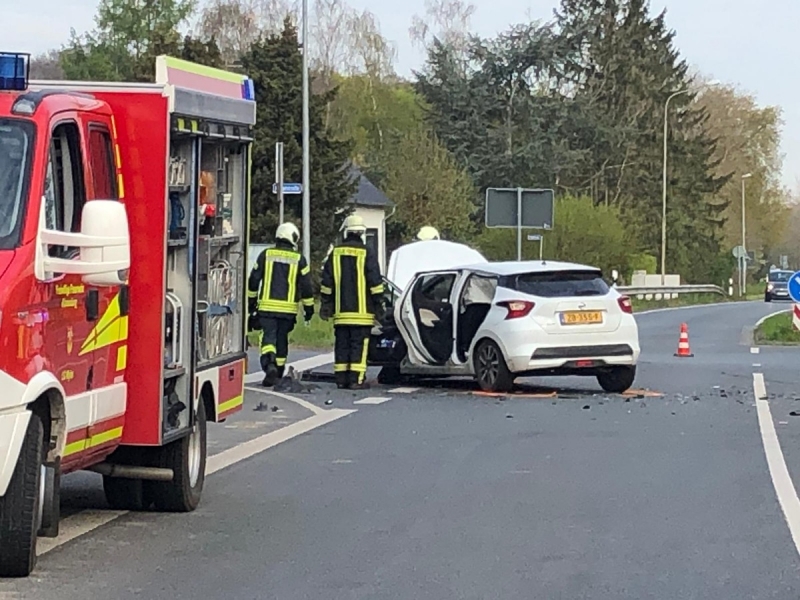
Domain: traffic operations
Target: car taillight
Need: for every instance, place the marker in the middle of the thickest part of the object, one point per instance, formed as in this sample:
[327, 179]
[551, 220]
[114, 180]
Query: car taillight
[516, 308]
[625, 304]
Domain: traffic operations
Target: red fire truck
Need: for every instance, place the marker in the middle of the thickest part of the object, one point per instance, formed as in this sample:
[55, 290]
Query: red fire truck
[123, 234]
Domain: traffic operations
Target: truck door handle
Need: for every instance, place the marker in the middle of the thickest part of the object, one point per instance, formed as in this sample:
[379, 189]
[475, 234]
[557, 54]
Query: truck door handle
[92, 305]
[231, 374]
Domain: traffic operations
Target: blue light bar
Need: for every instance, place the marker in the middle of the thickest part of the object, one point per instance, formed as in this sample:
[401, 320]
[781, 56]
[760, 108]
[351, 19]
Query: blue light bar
[14, 71]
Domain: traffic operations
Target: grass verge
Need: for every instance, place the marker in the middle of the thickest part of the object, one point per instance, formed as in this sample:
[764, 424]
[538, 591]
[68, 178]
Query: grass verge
[778, 330]
[318, 335]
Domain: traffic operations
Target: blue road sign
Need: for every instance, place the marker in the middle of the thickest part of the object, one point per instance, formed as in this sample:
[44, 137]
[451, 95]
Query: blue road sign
[288, 188]
[794, 286]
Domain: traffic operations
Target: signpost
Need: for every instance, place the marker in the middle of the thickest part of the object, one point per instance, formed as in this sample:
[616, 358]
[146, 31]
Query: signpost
[520, 208]
[278, 185]
[794, 291]
[535, 237]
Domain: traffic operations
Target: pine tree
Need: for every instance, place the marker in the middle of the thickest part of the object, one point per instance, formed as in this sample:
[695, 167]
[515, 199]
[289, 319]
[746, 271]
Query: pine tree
[275, 64]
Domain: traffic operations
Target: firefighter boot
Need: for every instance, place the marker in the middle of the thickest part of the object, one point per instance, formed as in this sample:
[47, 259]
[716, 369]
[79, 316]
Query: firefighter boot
[342, 381]
[355, 384]
[270, 369]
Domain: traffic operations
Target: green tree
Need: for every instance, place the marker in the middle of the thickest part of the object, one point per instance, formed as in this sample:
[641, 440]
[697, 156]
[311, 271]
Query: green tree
[429, 188]
[275, 64]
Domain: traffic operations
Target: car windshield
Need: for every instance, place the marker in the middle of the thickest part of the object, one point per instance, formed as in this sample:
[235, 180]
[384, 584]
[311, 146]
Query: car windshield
[561, 284]
[780, 276]
[16, 147]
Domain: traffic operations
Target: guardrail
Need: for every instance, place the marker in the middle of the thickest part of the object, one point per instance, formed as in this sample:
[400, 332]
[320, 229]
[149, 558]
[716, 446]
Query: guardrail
[635, 290]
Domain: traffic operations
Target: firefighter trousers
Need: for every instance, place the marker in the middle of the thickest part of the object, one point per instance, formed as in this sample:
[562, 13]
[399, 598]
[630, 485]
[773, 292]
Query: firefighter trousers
[275, 342]
[350, 354]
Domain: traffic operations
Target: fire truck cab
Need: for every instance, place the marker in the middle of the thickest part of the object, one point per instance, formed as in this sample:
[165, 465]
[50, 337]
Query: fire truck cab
[124, 212]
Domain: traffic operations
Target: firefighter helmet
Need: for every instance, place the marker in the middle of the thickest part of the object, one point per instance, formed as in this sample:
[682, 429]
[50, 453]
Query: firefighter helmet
[354, 224]
[288, 232]
[427, 233]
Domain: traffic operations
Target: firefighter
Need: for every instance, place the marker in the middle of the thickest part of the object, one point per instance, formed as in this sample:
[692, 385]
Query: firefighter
[427, 233]
[278, 283]
[352, 293]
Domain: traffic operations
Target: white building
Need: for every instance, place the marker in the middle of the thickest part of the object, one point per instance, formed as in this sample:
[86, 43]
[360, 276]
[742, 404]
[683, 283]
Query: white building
[372, 205]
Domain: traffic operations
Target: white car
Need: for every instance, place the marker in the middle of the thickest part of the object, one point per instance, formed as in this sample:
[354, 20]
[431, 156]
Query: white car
[499, 321]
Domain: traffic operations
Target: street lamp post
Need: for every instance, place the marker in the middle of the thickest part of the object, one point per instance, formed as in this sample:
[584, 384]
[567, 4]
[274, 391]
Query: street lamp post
[743, 261]
[664, 182]
[306, 149]
[664, 191]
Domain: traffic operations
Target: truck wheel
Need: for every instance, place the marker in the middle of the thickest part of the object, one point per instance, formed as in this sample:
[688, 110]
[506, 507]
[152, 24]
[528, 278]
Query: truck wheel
[20, 508]
[617, 380]
[187, 459]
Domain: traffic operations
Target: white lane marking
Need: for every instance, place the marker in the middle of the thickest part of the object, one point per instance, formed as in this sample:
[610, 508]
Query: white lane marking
[652, 311]
[404, 390]
[88, 520]
[304, 403]
[265, 442]
[755, 350]
[76, 525]
[781, 480]
[374, 400]
[305, 364]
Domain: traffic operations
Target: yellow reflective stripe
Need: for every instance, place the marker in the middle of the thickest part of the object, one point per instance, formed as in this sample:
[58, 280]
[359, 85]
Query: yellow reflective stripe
[375, 290]
[106, 436]
[281, 306]
[280, 361]
[291, 288]
[353, 319]
[361, 282]
[252, 294]
[305, 270]
[230, 404]
[267, 283]
[337, 279]
[268, 348]
[122, 357]
[340, 368]
[75, 447]
[292, 257]
[308, 302]
[361, 366]
[324, 289]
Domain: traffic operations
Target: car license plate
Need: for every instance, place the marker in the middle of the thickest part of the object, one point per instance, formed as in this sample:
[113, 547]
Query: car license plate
[581, 317]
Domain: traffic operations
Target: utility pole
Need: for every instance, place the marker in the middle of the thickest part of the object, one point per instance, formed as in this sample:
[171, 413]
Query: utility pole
[306, 149]
[279, 178]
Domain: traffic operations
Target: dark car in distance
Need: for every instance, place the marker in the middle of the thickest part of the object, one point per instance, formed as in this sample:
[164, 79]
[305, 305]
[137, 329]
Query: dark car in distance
[777, 286]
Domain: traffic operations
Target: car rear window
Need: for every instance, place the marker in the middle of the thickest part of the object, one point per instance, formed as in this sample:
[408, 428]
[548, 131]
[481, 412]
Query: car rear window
[560, 284]
[780, 276]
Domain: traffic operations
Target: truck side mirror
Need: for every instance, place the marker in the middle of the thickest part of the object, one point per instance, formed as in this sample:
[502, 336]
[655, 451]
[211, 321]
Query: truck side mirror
[104, 244]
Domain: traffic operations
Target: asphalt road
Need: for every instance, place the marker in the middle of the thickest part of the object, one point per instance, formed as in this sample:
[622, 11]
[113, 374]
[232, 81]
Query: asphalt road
[436, 492]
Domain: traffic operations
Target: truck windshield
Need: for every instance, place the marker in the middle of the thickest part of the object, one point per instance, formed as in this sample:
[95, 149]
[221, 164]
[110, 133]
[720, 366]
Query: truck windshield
[16, 148]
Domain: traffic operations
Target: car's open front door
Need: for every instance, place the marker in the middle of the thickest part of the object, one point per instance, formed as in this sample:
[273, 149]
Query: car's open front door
[426, 315]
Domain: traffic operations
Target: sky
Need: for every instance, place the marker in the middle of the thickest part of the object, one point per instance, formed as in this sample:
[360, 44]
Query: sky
[728, 40]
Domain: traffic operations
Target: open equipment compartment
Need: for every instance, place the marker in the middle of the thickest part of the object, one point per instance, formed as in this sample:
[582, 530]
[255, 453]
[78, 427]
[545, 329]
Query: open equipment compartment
[208, 200]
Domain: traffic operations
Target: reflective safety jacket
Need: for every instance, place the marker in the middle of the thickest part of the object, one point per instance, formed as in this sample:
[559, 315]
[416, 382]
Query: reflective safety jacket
[279, 282]
[352, 283]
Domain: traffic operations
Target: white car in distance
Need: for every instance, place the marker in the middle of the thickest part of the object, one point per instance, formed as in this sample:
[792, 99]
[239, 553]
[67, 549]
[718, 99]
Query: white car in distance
[500, 321]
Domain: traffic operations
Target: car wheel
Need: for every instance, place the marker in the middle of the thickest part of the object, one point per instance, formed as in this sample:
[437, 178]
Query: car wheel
[617, 380]
[491, 370]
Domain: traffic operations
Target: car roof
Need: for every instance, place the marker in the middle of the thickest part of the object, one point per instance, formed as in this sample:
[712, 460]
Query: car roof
[529, 266]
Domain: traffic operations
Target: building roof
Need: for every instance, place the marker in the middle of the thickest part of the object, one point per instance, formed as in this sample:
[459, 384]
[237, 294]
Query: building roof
[367, 194]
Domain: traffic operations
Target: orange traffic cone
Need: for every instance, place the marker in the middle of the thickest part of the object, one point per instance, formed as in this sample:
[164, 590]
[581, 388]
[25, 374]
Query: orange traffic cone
[683, 342]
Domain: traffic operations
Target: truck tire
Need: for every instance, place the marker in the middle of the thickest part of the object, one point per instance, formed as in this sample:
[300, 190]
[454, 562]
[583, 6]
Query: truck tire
[187, 459]
[51, 501]
[20, 508]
